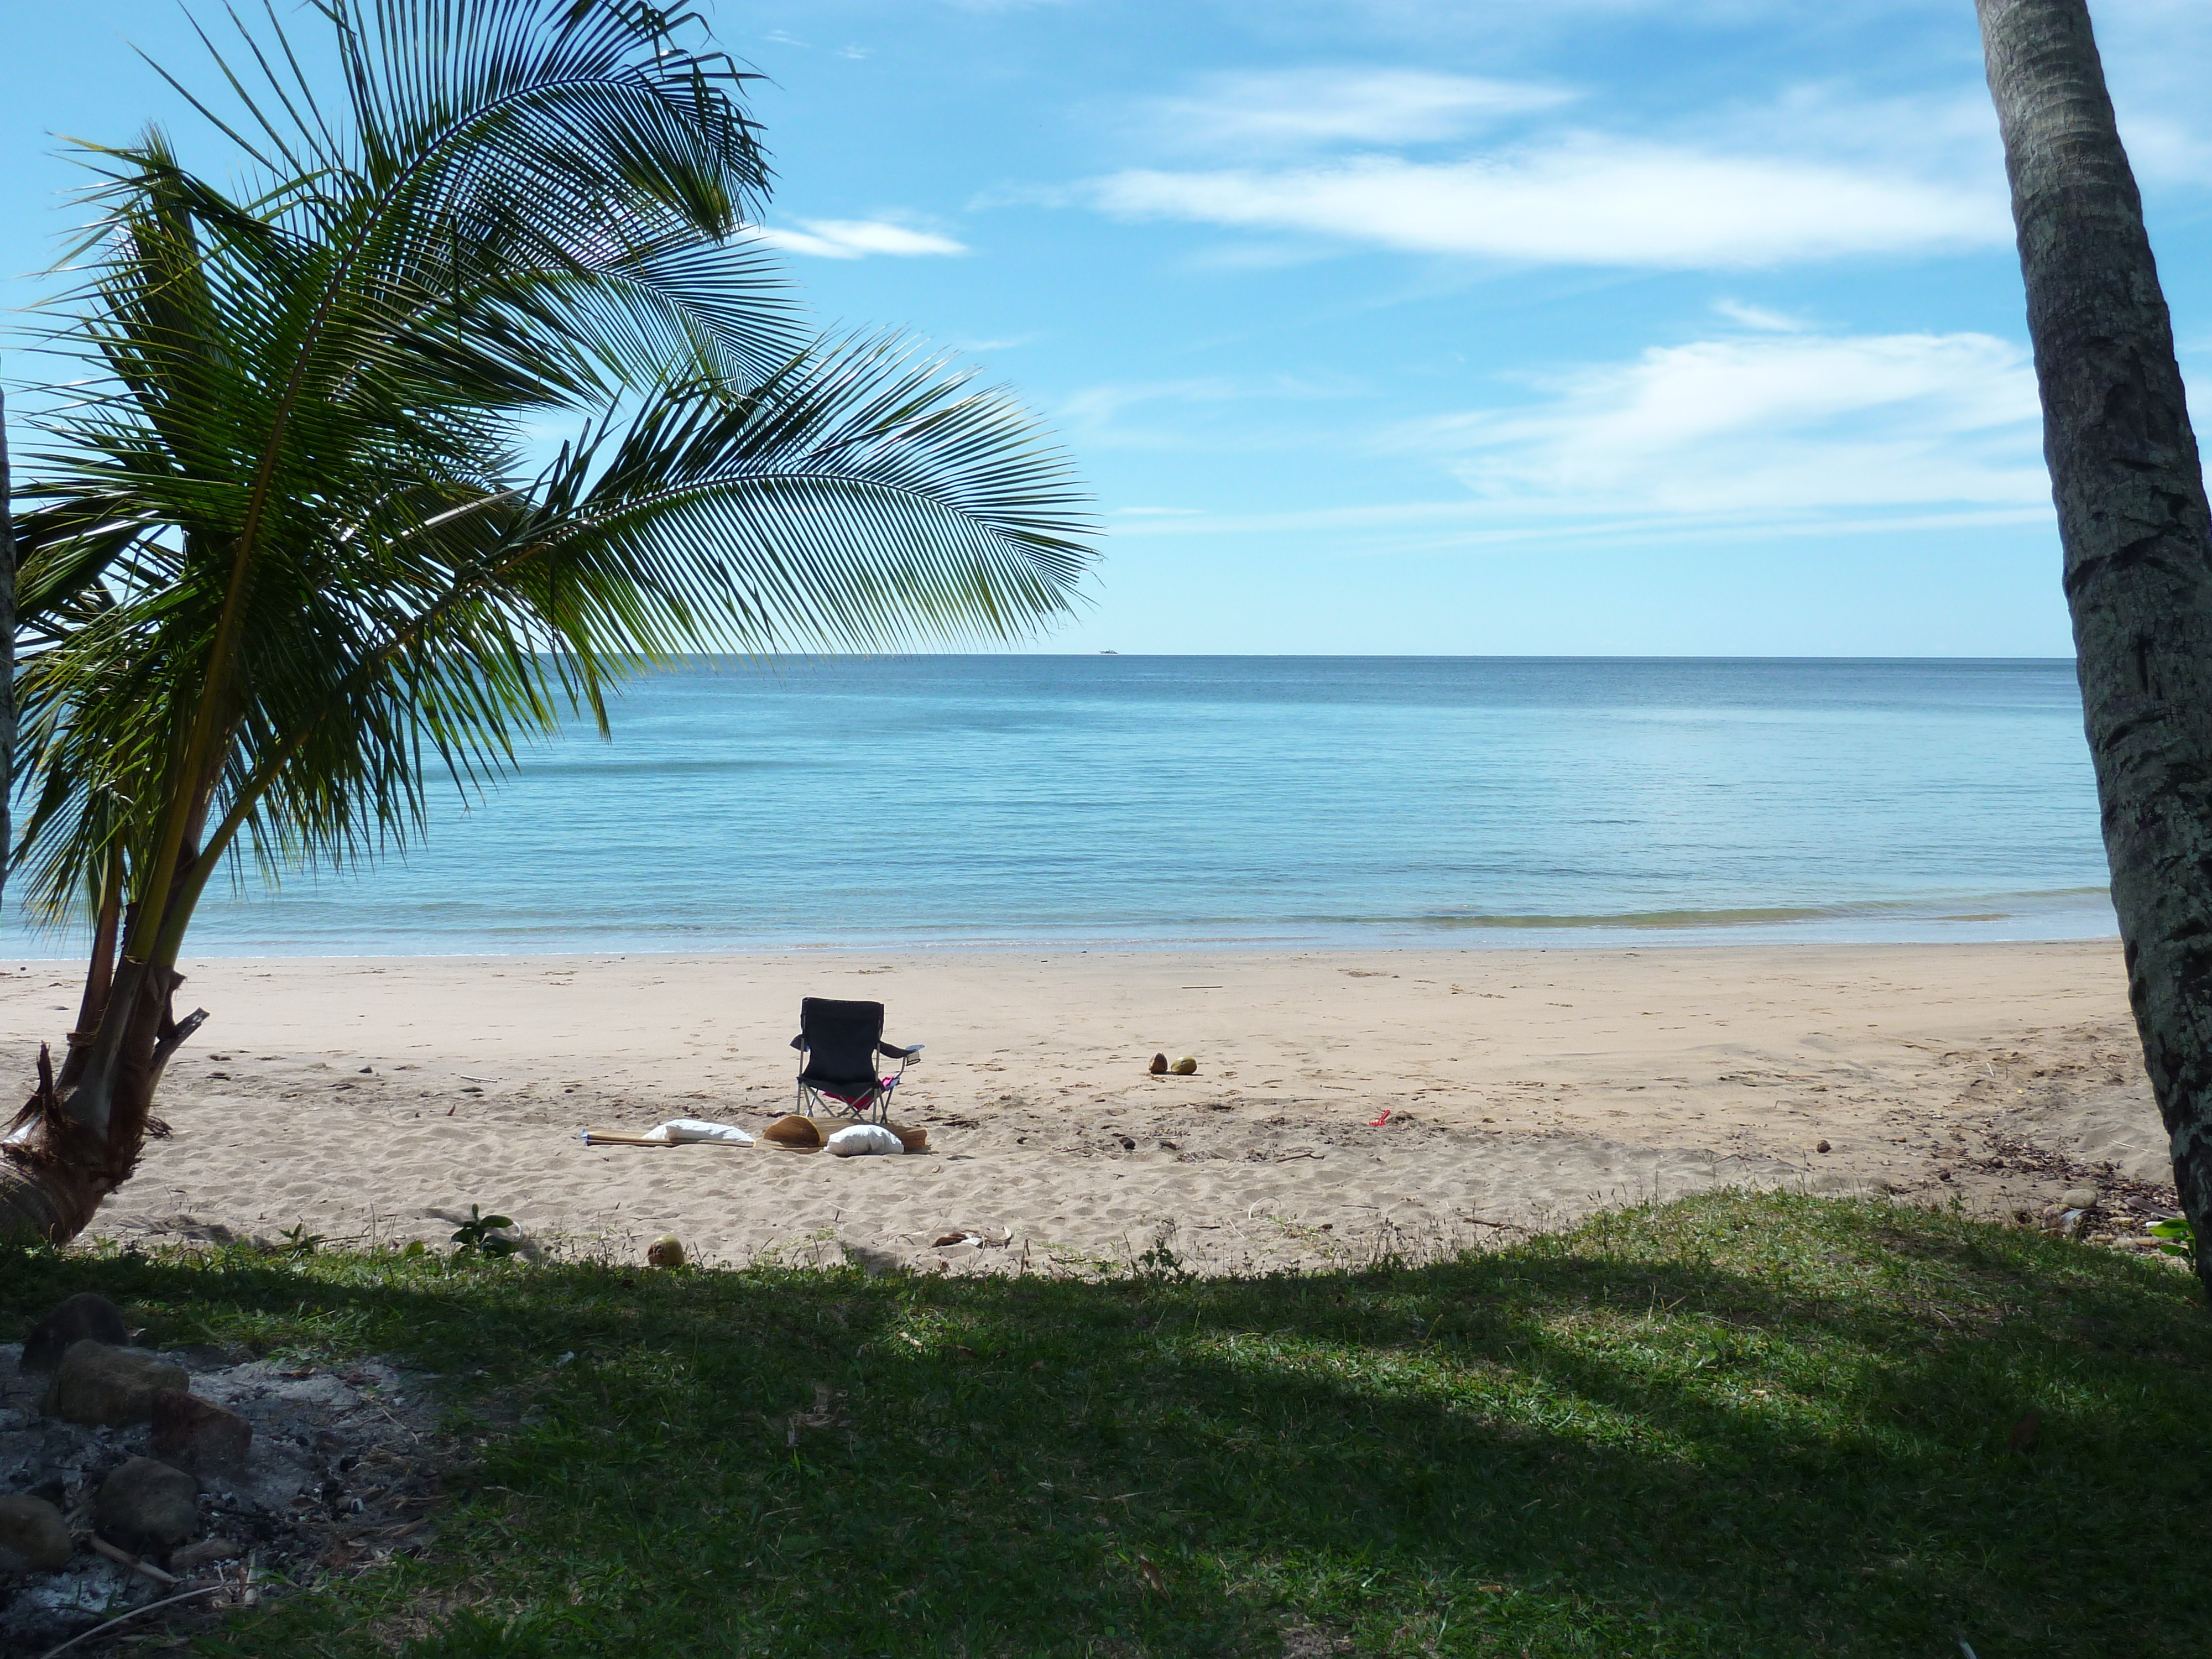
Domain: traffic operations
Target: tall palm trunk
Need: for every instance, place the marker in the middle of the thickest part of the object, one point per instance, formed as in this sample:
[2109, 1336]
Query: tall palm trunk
[2137, 540]
[7, 649]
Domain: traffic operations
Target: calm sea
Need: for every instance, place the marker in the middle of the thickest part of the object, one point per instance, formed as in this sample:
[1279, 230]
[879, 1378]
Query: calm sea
[1157, 801]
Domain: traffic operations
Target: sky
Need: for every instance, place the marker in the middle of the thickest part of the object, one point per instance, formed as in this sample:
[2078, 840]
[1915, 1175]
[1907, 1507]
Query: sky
[1649, 327]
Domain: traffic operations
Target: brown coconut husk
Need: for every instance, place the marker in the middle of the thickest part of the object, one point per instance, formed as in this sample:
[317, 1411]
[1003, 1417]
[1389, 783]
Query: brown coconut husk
[798, 1133]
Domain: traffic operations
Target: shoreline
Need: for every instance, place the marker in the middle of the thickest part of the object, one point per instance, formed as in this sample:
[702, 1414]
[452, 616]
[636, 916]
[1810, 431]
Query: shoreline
[1483, 940]
[1525, 1087]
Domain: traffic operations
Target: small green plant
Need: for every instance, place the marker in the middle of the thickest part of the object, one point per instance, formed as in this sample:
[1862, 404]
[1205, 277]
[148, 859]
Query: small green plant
[480, 1236]
[298, 1240]
[1160, 1261]
[2175, 1235]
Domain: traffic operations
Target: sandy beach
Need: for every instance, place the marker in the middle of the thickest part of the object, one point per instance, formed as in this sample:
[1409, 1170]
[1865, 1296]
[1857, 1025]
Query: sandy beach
[380, 1098]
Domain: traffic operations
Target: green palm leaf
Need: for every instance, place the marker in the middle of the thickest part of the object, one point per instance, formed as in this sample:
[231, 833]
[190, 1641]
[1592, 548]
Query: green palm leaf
[286, 560]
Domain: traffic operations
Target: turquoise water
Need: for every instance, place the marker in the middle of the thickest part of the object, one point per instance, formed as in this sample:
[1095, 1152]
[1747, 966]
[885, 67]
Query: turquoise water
[1160, 801]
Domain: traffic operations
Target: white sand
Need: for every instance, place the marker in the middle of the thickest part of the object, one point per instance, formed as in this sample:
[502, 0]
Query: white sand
[1527, 1088]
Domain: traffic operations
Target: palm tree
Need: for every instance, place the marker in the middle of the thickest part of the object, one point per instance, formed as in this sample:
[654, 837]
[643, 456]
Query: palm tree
[287, 557]
[2138, 537]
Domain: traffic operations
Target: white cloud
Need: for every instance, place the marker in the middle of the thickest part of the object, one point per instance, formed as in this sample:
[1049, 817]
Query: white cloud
[1586, 199]
[1759, 317]
[1776, 426]
[855, 238]
[1280, 109]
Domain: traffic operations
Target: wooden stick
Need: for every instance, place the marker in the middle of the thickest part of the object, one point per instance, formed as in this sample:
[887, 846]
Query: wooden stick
[125, 1558]
[151, 1606]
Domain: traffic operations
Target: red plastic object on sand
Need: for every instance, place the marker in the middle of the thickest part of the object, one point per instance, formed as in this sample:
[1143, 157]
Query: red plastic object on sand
[1377, 1122]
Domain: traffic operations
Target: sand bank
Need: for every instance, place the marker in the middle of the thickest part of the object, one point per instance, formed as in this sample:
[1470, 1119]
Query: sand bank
[1526, 1088]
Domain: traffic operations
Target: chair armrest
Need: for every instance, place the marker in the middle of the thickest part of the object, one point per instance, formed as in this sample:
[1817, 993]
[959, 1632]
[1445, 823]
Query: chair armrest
[892, 1051]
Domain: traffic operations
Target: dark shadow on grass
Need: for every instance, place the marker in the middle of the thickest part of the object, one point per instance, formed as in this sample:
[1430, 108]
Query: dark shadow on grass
[1737, 1425]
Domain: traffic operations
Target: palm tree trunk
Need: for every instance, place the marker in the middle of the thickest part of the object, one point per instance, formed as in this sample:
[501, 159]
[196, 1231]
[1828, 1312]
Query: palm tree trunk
[2137, 540]
[69, 1146]
[7, 649]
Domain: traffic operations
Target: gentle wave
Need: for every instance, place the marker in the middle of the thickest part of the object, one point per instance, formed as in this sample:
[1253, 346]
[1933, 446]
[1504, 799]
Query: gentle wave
[1771, 915]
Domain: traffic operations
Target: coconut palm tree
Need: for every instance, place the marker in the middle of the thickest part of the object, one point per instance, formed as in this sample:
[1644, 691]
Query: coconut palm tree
[2138, 537]
[298, 546]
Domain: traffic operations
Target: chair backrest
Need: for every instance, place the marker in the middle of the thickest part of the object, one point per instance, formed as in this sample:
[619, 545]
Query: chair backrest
[841, 1037]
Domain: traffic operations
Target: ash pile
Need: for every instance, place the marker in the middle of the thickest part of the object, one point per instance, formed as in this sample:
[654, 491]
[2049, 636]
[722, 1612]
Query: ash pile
[197, 1477]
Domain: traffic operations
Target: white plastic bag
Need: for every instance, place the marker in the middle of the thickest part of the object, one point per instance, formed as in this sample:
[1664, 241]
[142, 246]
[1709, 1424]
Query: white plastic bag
[863, 1140]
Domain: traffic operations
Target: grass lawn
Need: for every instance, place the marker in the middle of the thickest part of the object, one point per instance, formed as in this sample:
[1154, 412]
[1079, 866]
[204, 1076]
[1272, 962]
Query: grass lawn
[1733, 1425]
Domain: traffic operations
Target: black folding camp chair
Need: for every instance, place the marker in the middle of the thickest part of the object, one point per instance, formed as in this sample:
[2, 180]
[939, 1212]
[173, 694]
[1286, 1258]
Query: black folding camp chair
[841, 1041]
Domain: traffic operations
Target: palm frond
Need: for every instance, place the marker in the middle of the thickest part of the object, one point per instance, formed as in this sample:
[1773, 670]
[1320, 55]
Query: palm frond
[285, 565]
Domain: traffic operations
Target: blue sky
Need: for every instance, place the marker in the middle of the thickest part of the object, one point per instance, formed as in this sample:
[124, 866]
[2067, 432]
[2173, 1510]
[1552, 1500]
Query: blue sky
[1378, 325]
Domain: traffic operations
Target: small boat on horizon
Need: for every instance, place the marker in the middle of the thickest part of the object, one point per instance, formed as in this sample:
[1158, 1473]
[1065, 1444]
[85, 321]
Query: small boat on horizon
[1109, 654]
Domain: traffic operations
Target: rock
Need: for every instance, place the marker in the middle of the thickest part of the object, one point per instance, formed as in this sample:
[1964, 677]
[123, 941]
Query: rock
[33, 1537]
[2078, 1198]
[1160, 1065]
[98, 1384]
[1822, 1147]
[205, 1554]
[146, 1507]
[666, 1251]
[793, 1130]
[1186, 1066]
[198, 1434]
[83, 1315]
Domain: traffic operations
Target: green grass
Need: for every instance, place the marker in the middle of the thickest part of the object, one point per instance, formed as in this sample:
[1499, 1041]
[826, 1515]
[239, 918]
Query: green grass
[1733, 1426]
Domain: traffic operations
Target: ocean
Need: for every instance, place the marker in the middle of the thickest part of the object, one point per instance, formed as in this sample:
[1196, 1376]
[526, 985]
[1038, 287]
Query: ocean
[1128, 801]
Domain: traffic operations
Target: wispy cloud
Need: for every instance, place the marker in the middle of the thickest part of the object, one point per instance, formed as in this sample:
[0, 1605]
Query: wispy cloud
[1587, 199]
[1300, 108]
[856, 238]
[1100, 415]
[1759, 317]
[1774, 425]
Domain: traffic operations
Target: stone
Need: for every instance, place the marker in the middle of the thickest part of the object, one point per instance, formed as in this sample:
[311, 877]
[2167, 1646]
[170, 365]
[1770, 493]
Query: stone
[1822, 1147]
[1160, 1065]
[666, 1251]
[2078, 1198]
[146, 1507]
[33, 1536]
[83, 1315]
[98, 1384]
[198, 1434]
[205, 1554]
[1187, 1066]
